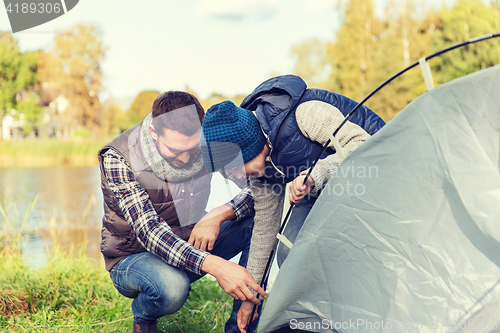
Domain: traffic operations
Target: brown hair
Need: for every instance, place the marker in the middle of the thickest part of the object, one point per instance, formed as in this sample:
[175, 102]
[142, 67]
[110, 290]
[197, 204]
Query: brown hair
[186, 123]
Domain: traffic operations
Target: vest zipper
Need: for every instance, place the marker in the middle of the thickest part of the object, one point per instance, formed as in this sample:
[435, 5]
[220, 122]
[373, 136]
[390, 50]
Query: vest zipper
[268, 157]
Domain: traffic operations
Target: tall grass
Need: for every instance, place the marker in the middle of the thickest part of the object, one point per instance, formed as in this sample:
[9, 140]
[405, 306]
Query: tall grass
[71, 293]
[46, 153]
[66, 295]
[12, 230]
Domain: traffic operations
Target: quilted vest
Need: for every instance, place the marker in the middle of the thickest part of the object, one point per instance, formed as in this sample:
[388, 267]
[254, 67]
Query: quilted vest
[181, 203]
[275, 102]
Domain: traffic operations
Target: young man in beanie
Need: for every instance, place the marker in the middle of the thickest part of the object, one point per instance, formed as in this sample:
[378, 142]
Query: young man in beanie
[156, 236]
[280, 129]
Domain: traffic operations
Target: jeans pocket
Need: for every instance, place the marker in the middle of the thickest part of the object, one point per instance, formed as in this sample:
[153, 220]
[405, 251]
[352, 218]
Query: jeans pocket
[118, 278]
[115, 278]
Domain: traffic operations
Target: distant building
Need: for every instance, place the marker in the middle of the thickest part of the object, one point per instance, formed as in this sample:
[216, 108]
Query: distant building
[52, 125]
[12, 128]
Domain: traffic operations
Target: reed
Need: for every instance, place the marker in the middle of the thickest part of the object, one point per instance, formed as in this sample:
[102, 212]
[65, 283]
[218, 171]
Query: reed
[47, 153]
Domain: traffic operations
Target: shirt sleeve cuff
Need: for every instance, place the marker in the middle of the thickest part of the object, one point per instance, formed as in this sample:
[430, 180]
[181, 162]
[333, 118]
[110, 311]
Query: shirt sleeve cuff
[194, 260]
[318, 177]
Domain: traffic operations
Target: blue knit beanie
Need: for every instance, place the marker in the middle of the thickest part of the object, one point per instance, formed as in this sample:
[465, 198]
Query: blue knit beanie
[229, 130]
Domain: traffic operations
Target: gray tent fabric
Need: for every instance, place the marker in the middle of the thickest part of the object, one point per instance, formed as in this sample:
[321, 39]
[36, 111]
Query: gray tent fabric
[406, 235]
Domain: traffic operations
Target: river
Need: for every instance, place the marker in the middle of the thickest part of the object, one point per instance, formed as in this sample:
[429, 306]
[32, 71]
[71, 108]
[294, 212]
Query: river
[68, 210]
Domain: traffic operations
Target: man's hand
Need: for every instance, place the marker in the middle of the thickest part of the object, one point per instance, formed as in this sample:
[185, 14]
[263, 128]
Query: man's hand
[205, 232]
[297, 191]
[233, 278]
[244, 315]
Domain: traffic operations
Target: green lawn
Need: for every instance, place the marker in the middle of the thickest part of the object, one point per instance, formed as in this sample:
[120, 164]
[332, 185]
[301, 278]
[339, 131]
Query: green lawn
[73, 294]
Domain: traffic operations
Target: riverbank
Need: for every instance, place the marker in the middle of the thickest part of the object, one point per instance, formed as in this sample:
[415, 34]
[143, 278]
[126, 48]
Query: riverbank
[49, 153]
[73, 294]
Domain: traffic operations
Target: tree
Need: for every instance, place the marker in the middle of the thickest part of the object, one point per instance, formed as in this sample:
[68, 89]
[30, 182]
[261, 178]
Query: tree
[17, 73]
[30, 112]
[368, 50]
[310, 58]
[351, 54]
[402, 42]
[466, 19]
[111, 118]
[76, 73]
[215, 98]
[142, 104]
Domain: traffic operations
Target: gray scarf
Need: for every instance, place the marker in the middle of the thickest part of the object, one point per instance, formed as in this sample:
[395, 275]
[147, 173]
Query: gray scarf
[159, 165]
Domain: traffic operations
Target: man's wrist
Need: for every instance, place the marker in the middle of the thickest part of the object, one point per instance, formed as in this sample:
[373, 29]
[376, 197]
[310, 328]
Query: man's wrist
[209, 264]
[312, 179]
[227, 213]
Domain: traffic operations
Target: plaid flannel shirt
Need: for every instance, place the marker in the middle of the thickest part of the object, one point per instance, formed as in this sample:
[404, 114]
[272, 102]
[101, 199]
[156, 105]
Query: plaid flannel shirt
[152, 232]
[242, 204]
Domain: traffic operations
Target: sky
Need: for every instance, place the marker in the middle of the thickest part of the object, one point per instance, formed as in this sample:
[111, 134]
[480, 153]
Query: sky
[221, 46]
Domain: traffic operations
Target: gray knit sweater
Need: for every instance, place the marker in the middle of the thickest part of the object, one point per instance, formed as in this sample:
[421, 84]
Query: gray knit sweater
[317, 121]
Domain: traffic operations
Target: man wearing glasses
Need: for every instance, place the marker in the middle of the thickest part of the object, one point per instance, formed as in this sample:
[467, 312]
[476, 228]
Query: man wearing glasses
[157, 237]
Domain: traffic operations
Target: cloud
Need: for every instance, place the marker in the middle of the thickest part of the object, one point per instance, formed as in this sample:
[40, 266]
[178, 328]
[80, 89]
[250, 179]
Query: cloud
[237, 10]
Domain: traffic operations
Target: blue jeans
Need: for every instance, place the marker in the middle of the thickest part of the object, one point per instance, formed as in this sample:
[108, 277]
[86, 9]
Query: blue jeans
[159, 289]
[293, 226]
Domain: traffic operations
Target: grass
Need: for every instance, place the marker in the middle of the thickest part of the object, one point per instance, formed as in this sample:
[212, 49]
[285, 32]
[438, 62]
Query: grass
[46, 153]
[67, 295]
[71, 293]
[12, 229]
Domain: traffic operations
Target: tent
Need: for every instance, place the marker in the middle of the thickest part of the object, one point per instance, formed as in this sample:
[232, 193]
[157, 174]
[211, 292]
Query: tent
[406, 235]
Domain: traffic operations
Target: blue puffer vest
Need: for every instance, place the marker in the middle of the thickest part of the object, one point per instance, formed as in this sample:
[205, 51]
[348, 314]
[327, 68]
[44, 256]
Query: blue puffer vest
[275, 102]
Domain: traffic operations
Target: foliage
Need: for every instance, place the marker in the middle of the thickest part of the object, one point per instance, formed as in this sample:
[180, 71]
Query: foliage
[82, 133]
[126, 120]
[17, 74]
[368, 50]
[142, 104]
[310, 59]
[467, 19]
[140, 107]
[215, 98]
[401, 36]
[351, 55]
[29, 110]
[110, 118]
[73, 68]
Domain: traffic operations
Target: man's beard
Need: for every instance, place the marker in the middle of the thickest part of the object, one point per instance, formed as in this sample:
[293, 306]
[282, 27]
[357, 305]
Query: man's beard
[171, 160]
[172, 164]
